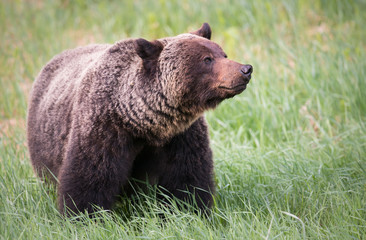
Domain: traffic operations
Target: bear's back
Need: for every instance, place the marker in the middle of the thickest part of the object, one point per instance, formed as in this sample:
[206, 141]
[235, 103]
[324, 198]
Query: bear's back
[63, 69]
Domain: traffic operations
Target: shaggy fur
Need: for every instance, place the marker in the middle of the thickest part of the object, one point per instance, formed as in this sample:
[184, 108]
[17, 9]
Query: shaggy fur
[101, 115]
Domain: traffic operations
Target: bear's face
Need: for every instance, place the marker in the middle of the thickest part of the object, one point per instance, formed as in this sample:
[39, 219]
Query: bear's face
[197, 72]
[194, 72]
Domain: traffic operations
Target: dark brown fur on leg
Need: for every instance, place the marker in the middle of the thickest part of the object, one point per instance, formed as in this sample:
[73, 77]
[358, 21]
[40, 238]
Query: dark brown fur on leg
[95, 175]
[189, 170]
[183, 168]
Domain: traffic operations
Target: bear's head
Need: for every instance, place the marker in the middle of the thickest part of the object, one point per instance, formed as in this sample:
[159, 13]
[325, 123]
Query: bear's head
[194, 72]
[181, 77]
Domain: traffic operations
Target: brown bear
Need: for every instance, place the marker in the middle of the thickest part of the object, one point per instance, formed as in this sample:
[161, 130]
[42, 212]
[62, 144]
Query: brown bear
[102, 115]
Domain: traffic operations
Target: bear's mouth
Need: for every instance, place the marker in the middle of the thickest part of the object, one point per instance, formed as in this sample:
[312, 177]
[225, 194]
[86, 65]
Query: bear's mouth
[237, 88]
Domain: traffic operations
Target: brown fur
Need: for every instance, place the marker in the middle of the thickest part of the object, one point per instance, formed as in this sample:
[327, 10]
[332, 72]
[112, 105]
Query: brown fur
[103, 114]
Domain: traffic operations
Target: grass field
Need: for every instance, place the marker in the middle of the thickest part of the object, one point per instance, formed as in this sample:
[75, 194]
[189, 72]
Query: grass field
[290, 152]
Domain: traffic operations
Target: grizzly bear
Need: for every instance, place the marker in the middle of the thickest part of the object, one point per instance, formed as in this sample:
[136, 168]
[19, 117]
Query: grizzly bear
[102, 115]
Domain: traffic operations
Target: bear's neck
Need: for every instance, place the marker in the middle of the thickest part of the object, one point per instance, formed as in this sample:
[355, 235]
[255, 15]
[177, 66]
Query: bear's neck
[148, 114]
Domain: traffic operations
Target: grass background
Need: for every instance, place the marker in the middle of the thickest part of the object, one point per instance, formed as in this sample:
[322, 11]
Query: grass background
[290, 152]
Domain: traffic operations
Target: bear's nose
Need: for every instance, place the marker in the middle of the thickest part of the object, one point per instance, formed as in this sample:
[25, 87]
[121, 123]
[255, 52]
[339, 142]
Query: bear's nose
[246, 70]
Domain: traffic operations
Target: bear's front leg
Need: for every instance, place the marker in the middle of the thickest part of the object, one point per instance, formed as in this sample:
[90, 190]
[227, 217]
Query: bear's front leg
[188, 172]
[94, 170]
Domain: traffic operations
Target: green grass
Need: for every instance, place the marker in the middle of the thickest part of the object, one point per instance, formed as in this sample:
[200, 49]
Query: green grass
[290, 152]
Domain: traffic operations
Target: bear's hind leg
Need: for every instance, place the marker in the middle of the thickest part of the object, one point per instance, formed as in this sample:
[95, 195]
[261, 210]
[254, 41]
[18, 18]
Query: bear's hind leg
[93, 173]
[82, 190]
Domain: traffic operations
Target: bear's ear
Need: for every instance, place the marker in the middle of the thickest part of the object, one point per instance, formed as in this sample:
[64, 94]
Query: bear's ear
[148, 50]
[204, 31]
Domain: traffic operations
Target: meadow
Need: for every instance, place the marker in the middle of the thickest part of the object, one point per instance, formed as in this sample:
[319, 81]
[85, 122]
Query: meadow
[290, 151]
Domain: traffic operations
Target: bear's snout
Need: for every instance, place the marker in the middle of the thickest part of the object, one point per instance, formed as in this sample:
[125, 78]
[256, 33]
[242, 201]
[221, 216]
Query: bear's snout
[233, 77]
[246, 71]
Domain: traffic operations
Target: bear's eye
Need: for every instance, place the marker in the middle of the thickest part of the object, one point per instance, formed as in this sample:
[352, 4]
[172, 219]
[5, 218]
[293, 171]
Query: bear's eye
[207, 60]
[225, 56]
